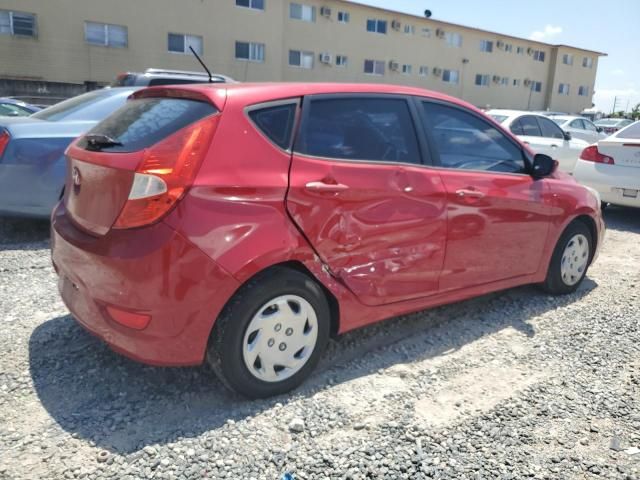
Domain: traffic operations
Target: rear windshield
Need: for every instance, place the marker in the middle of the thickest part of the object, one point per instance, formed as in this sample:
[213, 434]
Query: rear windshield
[607, 123]
[143, 122]
[92, 106]
[632, 131]
[498, 118]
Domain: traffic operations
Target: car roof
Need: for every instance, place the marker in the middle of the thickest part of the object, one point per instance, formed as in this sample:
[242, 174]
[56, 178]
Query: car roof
[567, 117]
[253, 93]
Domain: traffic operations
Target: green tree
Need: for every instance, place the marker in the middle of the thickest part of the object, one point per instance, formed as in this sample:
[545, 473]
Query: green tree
[635, 112]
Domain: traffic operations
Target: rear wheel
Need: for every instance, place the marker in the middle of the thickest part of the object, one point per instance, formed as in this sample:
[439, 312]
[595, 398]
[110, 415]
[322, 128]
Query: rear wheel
[271, 335]
[570, 260]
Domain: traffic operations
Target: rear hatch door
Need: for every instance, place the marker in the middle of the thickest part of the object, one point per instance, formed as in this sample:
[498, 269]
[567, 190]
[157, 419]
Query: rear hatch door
[102, 164]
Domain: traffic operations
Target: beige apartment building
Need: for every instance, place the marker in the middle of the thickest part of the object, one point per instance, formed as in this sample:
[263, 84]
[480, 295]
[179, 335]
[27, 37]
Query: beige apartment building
[88, 42]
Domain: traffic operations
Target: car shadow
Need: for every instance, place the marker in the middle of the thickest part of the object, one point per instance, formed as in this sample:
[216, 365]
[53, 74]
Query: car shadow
[624, 219]
[20, 231]
[123, 406]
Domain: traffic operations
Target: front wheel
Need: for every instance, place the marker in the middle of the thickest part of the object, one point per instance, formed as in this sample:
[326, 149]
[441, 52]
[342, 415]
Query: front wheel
[271, 335]
[570, 260]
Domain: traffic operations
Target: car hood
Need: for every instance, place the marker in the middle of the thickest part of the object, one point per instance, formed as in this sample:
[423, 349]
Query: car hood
[27, 127]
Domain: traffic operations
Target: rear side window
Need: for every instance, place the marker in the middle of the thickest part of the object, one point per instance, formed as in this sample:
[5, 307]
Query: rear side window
[143, 122]
[375, 129]
[529, 127]
[550, 129]
[276, 122]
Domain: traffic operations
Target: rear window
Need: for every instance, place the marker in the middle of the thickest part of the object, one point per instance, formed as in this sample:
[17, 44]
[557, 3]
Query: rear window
[276, 123]
[632, 132]
[498, 118]
[143, 122]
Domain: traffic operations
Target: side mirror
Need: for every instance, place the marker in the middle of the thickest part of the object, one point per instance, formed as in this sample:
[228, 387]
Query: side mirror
[543, 166]
[599, 129]
[567, 136]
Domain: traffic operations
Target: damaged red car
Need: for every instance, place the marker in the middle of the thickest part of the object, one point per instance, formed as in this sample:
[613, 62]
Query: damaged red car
[245, 224]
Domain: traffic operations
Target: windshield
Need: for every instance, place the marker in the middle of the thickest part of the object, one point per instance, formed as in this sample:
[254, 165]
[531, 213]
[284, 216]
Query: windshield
[632, 132]
[498, 118]
[608, 122]
[88, 106]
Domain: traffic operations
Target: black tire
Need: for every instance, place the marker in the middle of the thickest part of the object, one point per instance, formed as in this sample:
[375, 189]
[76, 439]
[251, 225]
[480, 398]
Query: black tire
[554, 283]
[225, 350]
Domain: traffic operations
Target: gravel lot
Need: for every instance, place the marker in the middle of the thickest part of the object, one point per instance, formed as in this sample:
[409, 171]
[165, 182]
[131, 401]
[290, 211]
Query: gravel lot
[511, 385]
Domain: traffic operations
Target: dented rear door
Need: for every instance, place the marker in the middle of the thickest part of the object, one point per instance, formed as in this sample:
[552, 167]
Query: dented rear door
[359, 192]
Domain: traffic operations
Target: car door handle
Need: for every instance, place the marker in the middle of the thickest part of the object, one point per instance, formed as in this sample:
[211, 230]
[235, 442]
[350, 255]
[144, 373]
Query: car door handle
[326, 187]
[469, 193]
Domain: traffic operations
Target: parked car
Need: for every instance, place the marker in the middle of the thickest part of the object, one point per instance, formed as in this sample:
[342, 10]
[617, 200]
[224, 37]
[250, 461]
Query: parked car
[10, 107]
[612, 125]
[245, 224]
[580, 127]
[612, 167]
[156, 76]
[32, 162]
[542, 135]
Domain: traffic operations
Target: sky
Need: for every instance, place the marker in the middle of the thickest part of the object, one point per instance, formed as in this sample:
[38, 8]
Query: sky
[611, 27]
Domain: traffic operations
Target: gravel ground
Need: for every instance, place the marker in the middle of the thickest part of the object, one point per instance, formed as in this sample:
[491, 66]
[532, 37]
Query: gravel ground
[511, 385]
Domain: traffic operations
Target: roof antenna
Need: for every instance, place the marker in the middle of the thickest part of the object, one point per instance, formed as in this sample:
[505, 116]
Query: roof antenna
[202, 63]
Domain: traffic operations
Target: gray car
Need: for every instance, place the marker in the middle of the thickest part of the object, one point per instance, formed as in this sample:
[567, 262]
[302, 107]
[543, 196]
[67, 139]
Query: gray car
[579, 127]
[32, 162]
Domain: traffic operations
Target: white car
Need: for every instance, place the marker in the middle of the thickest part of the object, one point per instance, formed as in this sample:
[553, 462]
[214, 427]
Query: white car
[579, 127]
[612, 167]
[542, 135]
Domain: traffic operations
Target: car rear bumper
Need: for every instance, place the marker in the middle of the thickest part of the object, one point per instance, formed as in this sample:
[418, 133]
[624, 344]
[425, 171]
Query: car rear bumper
[609, 180]
[152, 271]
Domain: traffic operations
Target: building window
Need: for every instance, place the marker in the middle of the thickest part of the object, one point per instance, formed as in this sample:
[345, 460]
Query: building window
[407, 69]
[520, 50]
[508, 47]
[538, 55]
[453, 39]
[254, 4]
[115, 36]
[482, 80]
[301, 59]
[426, 32]
[341, 60]
[17, 23]
[516, 82]
[486, 46]
[567, 59]
[583, 90]
[179, 43]
[424, 71]
[450, 76]
[253, 52]
[587, 62]
[305, 13]
[504, 81]
[409, 29]
[376, 26]
[536, 86]
[563, 89]
[374, 67]
[344, 17]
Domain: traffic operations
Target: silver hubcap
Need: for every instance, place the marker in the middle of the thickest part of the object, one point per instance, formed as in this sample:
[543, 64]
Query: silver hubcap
[280, 338]
[574, 259]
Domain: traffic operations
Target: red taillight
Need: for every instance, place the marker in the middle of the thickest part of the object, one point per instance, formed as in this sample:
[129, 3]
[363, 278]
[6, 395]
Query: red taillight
[165, 173]
[4, 140]
[591, 154]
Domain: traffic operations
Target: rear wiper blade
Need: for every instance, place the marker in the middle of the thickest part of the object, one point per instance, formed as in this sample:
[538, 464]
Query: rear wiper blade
[97, 141]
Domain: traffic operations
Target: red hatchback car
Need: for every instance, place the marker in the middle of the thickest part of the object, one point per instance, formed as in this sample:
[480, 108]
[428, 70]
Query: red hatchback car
[245, 224]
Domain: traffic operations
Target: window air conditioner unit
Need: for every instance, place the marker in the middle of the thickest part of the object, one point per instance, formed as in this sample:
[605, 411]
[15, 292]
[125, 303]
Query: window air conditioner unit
[395, 24]
[437, 71]
[527, 82]
[529, 51]
[496, 79]
[440, 33]
[325, 58]
[500, 44]
[325, 11]
[394, 65]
